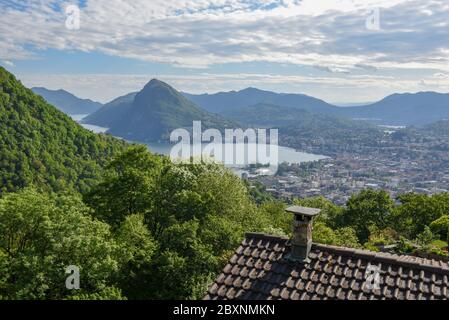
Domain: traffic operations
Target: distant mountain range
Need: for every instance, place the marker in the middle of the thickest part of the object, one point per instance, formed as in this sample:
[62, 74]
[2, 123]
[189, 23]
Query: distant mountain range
[223, 101]
[152, 114]
[403, 109]
[67, 102]
[397, 109]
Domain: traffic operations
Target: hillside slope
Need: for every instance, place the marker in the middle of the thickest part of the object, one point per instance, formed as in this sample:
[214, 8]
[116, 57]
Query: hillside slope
[267, 115]
[41, 146]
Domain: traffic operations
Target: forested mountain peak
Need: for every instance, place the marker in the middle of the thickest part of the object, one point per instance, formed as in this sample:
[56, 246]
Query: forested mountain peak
[152, 113]
[156, 93]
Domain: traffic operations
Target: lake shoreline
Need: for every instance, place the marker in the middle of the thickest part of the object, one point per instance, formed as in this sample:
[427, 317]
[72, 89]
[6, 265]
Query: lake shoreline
[285, 154]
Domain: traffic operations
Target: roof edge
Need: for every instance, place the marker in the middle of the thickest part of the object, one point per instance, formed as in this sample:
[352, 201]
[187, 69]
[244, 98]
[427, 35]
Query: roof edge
[260, 235]
[402, 260]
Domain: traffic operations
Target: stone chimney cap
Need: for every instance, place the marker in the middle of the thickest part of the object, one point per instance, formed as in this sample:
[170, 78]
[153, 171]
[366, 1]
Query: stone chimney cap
[308, 212]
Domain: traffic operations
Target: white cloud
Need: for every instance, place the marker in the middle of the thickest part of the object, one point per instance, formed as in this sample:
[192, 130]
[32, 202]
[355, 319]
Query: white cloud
[366, 67]
[440, 75]
[8, 63]
[326, 33]
[332, 88]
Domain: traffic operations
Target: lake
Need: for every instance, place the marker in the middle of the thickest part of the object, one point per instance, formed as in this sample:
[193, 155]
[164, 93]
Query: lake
[91, 127]
[285, 154]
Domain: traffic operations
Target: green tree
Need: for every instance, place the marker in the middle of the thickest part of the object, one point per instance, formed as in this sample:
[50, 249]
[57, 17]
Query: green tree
[425, 238]
[331, 214]
[137, 251]
[127, 187]
[185, 263]
[347, 237]
[275, 220]
[40, 236]
[194, 216]
[441, 227]
[323, 234]
[417, 211]
[344, 237]
[369, 207]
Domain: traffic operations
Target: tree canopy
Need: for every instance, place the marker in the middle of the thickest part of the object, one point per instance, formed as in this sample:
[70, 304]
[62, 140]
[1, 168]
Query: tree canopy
[42, 147]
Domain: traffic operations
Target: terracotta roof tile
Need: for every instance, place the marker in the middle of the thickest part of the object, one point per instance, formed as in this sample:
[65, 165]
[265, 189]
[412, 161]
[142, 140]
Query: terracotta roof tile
[259, 271]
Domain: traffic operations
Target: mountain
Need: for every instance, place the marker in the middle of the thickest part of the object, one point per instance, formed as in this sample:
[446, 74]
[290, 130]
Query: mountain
[112, 112]
[152, 114]
[220, 102]
[397, 109]
[305, 130]
[67, 102]
[41, 146]
[267, 115]
[404, 109]
[270, 115]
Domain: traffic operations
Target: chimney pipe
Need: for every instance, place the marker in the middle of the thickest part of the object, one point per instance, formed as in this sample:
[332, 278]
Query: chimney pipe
[302, 233]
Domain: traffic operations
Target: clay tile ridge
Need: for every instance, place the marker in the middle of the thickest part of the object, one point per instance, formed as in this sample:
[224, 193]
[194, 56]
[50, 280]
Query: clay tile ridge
[399, 260]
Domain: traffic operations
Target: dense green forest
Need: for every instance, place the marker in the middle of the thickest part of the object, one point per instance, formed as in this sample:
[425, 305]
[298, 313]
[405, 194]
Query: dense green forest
[141, 227]
[151, 229]
[414, 223]
[42, 146]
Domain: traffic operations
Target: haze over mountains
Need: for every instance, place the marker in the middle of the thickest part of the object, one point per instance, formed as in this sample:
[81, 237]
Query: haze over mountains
[154, 112]
[404, 109]
[397, 109]
[223, 101]
[67, 102]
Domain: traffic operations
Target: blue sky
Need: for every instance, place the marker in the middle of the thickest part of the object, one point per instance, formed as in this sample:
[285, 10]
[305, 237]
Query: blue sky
[331, 49]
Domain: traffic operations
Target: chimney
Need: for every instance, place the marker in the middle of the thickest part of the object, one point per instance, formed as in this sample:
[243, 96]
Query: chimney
[302, 233]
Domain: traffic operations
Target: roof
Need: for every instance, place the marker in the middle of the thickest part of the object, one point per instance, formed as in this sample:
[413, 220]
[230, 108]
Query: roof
[258, 271]
[303, 211]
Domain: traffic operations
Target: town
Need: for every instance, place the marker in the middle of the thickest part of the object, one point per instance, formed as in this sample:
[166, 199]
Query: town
[400, 162]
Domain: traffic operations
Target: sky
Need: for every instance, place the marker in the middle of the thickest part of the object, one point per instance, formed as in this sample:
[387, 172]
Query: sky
[342, 51]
